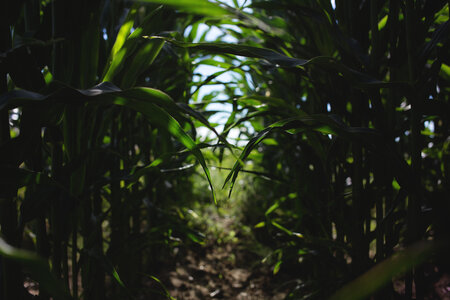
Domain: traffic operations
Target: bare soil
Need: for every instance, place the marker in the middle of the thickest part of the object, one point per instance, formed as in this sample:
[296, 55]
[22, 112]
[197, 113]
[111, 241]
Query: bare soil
[221, 269]
[220, 272]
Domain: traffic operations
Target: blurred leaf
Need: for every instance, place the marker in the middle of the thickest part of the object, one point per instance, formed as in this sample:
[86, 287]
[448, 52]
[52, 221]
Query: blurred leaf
[445, 71]
[277, 267]
[260, 224]
[196, 238]
[282, 228]
[271, 208]
[39, 269]
[377, 277]
[382, 22]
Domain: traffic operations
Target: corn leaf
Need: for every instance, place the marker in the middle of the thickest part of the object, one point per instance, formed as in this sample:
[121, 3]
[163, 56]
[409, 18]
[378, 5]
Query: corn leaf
[155, 105]
[200, 7]
[38, 267]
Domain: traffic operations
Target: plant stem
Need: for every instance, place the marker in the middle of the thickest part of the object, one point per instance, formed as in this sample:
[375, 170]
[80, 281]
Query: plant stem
[415, 197]
[10, 283]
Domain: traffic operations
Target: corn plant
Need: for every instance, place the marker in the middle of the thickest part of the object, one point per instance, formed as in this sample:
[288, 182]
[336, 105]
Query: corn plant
[91, 145]
[350, 107]
[367, 188]
[350, 104]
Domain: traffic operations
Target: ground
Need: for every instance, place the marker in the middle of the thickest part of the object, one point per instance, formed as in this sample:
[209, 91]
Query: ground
[225, 267]
[220, 272]
[230, 266]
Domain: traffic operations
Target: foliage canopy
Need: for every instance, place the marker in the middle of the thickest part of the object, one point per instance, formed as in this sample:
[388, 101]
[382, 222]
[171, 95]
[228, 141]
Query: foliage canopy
[344, 111]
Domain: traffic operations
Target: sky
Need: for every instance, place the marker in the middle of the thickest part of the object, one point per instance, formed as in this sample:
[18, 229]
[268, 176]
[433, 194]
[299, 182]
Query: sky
[220, 118]
[212, 33]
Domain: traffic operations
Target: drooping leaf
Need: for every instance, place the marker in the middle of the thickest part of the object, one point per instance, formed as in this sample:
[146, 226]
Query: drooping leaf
[280, 60]
[155, 105]
[242, 50]
[166, 291]
[201, 7]
[324, 124]
[126, 45]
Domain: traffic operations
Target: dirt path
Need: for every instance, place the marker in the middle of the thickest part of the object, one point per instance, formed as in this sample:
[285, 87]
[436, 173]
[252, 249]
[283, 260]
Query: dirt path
[221, 269]
[220, 272]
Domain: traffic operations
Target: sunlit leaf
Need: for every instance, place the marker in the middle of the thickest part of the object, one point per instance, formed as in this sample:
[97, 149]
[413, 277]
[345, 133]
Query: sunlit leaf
[143, 100]
[377, 277]
[260, 224]
[277, 267]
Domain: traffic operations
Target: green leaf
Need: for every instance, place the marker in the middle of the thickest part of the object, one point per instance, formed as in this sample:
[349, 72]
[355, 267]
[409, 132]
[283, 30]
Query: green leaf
[166, 291]
[162, 119]
[232, 176]
[144, 100]
[271, 209]
[445, 71]
[280, 60]
[271, 101]
[126, 45]
[277, 267]
[380, 275]
[382, 23]
[242, 50]
[260, 224]
[124, 31]
[282, 228]
[200, 7]
[142, 60]
[39, 269]
[331, 124]
[270, 142]
[196, 238]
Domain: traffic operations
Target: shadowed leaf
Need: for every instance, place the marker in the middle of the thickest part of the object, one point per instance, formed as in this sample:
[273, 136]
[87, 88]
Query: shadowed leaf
[38, 267]
[201, 7]
[143, 100]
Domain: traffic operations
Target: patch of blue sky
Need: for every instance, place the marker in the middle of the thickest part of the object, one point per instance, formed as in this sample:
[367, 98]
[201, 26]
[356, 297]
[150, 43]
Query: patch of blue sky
[213, 34]
[429, 125]
[202, 71]
[105, 35]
